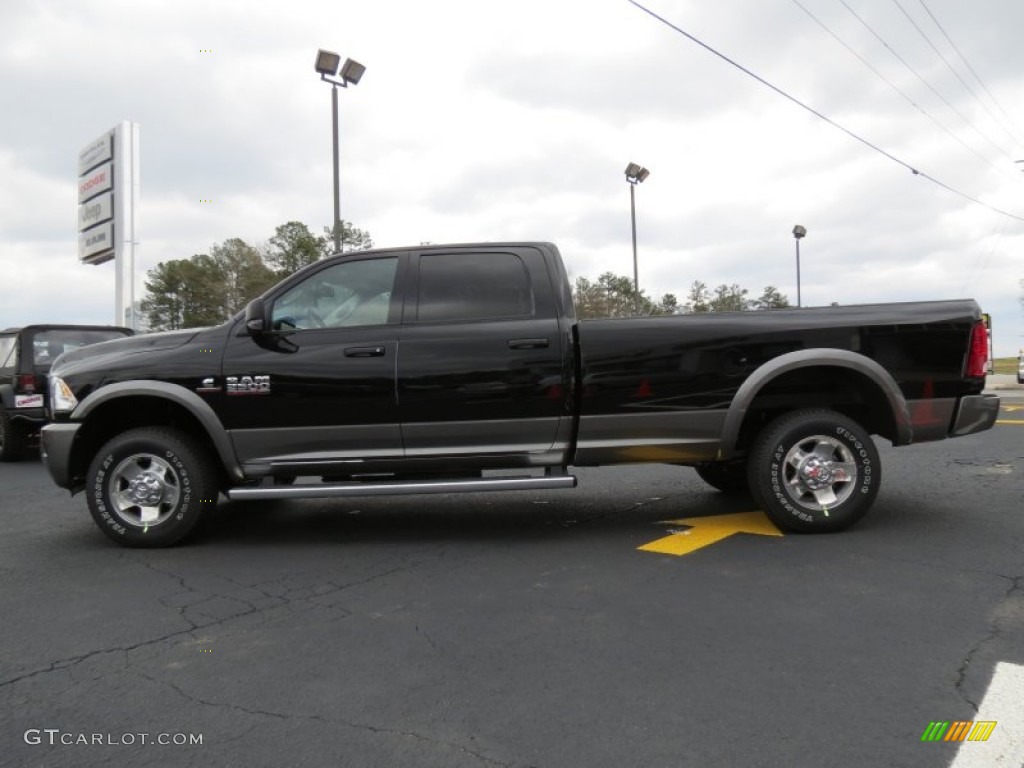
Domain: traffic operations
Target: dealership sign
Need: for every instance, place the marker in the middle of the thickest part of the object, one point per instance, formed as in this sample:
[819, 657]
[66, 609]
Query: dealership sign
[108, 194]
[99, 151]
[97, 180]
[95, 242]
[96, 211]
[96, 177]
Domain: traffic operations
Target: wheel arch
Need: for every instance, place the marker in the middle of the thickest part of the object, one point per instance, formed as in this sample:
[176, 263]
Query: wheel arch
[867, 393]
[130, 404]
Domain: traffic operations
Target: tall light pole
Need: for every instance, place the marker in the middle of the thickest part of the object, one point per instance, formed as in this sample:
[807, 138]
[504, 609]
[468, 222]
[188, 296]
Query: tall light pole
[351, 72]
[635, 174]
[798, 232]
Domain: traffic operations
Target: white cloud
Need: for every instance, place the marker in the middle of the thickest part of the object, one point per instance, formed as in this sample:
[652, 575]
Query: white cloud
[502, 120]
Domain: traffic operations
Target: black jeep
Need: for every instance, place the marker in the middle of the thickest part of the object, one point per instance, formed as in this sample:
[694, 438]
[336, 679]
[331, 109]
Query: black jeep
[26, 355]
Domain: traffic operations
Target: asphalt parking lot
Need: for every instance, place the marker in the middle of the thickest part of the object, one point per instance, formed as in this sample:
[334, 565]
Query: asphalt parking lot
[522, 629]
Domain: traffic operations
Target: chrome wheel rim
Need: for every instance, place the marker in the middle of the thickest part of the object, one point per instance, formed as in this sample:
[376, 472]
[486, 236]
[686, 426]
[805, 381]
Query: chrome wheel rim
[819, 473]
[144, 490]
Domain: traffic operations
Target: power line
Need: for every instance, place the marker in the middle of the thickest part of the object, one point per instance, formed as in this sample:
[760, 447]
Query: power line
[973, 72]
[949, 66]
[985, 252]
[818, 114]
[924, 82]
[896, 88]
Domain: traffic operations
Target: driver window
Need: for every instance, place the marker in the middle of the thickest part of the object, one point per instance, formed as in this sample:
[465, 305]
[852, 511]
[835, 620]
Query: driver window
[349, 293]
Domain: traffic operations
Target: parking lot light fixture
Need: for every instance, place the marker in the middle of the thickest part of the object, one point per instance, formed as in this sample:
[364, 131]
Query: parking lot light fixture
[798, 233]
[327, 63]
[635, 174]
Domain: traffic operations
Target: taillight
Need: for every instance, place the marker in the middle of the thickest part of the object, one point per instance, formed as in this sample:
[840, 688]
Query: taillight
[25, 384]
[977, 355]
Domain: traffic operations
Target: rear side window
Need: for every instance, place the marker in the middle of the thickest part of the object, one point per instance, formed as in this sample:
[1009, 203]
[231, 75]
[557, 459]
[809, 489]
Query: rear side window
[473, 286]
[47, 346]
[7, 351]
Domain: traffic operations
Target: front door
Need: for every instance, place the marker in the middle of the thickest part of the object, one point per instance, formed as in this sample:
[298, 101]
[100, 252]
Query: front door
[317, 392]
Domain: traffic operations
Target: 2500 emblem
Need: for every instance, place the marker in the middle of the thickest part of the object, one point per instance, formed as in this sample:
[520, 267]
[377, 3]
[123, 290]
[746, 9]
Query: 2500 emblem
[248, 385]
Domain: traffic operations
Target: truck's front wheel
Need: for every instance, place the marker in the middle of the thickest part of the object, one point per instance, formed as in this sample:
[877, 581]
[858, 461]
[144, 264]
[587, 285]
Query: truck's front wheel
[814, 471]
[147, 487]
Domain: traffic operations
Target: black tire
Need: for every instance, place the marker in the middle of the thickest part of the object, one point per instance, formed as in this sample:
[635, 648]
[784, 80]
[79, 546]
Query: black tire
[814, 471]
[727, 476]
[12, 439]
[148, 487]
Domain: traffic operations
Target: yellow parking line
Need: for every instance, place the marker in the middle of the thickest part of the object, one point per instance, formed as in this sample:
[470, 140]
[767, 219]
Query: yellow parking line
[1009, 421]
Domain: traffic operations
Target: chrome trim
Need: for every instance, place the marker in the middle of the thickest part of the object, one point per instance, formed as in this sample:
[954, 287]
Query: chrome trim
[502, 436]
[334, 490]
[680, 436]
[976, 413]
[276, 445]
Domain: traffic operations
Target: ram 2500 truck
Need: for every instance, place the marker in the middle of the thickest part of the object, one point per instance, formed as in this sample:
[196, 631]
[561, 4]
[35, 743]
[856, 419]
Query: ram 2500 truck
[438, 369]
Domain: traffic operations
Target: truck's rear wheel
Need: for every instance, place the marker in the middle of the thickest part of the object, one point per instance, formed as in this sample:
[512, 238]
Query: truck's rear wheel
[814, 471]
[727, 476]
[147, 487]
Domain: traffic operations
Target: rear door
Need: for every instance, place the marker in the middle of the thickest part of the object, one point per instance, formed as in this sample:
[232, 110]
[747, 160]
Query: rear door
[482, 368]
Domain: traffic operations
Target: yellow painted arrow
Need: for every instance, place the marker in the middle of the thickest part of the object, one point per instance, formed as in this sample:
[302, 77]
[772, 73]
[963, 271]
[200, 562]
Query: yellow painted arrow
[707, 530]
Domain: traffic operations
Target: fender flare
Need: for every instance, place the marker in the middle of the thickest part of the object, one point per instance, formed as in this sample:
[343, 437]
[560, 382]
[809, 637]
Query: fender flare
[813, 358]
[176, 394]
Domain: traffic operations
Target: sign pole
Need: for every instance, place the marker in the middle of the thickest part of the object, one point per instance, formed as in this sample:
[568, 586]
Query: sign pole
[108, 196]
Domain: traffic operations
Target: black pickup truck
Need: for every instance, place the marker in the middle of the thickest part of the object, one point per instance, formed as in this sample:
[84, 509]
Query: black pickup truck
[443, 369]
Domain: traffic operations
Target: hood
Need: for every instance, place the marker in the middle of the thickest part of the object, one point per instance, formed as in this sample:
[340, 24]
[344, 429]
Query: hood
[119, 348]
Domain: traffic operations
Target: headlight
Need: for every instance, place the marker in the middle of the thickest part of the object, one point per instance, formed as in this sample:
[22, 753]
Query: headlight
[62, 399]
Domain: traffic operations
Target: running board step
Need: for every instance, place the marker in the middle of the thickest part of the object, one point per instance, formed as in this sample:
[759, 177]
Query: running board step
[335, 490]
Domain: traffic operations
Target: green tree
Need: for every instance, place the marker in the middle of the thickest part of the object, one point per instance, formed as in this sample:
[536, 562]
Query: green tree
[208, 289]
[242, 274]
[729, 298]
[183, 293]
[699, 298]
[293, 247]
[612, 296]
[668, 305]
[352, 238]
[770, 298]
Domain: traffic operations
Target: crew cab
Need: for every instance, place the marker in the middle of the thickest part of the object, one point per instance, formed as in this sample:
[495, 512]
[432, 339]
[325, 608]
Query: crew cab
[462, 368]
[26, 354]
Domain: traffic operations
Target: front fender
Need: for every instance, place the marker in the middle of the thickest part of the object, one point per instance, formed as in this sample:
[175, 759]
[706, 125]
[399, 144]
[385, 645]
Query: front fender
[178, 395]
[811, 358]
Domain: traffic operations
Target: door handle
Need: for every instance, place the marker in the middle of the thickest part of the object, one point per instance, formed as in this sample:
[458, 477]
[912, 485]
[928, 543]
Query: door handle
[527, 343]
[364, 351]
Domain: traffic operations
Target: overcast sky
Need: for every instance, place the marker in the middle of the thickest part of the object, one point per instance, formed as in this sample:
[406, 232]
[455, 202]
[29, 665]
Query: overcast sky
[492, 120]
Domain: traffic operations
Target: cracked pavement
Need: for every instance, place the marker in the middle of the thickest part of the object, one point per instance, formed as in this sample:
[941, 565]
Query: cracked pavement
[520, 629]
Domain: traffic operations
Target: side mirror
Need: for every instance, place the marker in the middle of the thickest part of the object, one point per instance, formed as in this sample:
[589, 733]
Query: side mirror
[256, 317]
